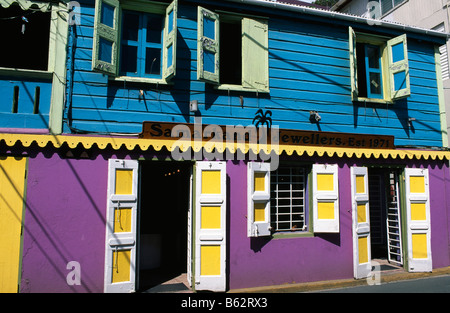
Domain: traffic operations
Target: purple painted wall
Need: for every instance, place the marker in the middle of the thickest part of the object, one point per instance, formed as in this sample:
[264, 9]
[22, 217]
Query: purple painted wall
[263, 262]
[64, 221]
[440, 214]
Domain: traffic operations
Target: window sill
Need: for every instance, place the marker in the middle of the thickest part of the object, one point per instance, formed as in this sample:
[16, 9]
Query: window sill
[240, 88]
[16, 72]
[142, 80]
[283, 235]
[372, 100]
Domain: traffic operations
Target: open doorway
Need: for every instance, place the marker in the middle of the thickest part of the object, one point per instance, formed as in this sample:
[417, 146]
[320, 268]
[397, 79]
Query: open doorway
[163, 226]
[385, 218]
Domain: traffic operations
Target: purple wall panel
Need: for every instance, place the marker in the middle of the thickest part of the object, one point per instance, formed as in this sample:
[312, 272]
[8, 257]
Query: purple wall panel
[64, 221]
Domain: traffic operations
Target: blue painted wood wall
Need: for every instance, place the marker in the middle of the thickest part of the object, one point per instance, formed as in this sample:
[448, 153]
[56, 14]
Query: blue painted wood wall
[308, 69]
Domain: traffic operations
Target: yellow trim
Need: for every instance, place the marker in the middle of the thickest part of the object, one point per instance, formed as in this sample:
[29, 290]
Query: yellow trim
[13, 185]
[131, 143]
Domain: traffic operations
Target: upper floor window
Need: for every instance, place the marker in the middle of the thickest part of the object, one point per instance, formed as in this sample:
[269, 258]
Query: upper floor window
[232, 51]
[25, 38]
[381, 7]
[379, 67]
[142, 46]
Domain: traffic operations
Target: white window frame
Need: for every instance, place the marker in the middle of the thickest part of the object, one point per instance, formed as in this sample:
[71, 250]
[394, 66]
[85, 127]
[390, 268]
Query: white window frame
[274, 205]
[255, 38]
[114, 34]
[388, 66]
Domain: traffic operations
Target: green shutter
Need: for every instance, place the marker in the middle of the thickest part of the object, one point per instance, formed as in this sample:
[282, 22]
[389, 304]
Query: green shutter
[353, 63]
[398, 67]
[170, 41]
[255, 54]
[106, 32]
[208, 46]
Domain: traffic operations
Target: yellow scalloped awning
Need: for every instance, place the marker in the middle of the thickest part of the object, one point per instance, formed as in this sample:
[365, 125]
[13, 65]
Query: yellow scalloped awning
[131, 143]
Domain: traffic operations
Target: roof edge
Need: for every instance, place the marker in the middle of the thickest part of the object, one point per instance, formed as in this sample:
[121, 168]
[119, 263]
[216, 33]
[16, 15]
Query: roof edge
[342, 16]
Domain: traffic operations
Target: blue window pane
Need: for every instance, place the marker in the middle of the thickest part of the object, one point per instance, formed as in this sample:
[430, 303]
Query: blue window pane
[105, 50]
[154, 28]
[209, 28]
[153, 61]
[170, 26]
[130, 26]
[169, 56]
[209, 61]
[398, 54]
[128, 60]
[107, 15]
[400, 80]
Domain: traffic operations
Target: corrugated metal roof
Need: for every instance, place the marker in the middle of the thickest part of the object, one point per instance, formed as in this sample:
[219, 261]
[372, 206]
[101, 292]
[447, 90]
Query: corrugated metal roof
[298, 6]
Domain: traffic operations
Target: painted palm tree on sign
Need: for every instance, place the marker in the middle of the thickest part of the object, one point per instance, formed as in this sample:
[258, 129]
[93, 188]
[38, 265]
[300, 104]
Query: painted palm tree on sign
[263, 118]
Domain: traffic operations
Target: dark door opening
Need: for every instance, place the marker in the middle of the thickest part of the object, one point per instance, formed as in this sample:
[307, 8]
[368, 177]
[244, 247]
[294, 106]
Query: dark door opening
[385, 217]
[163, 222]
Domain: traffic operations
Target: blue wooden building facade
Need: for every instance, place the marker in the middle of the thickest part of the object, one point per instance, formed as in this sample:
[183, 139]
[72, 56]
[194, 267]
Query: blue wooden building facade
[348, 96]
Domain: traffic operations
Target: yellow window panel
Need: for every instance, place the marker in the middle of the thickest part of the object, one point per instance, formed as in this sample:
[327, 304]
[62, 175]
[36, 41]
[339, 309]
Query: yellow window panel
[121, 266]
[209, 260]
[260, 212]
[360, 184]
[363, 250]
[210, 217]
[325, 210]
[417, 184]
[419, 246]
[122, 220]
[124, 182]
[418, 212]
[325, 182]
[361, 211]
[260, 181]
[211, 182]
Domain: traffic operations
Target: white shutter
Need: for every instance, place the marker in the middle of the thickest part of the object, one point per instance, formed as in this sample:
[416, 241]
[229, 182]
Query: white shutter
[418, 220]
[255, 54]
[398, 67]
[106, 36]
[208, 53]
[210, 226]
[353, 63]
[444, 62]
[325, 198]
[360, 222]
[170, 41]
[121, 218]
[258, 199]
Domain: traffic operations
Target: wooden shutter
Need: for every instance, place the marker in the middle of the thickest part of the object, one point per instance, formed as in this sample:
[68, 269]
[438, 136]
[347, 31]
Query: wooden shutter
[210, 226]
[258, 199]
[208, 46]
[353, 63]
[170, 41]
[106, 36]
[418, 220]
[398, 67]
[255, 54]
[12, 193]
[120, 251]
[325, 198]
[361, 222]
